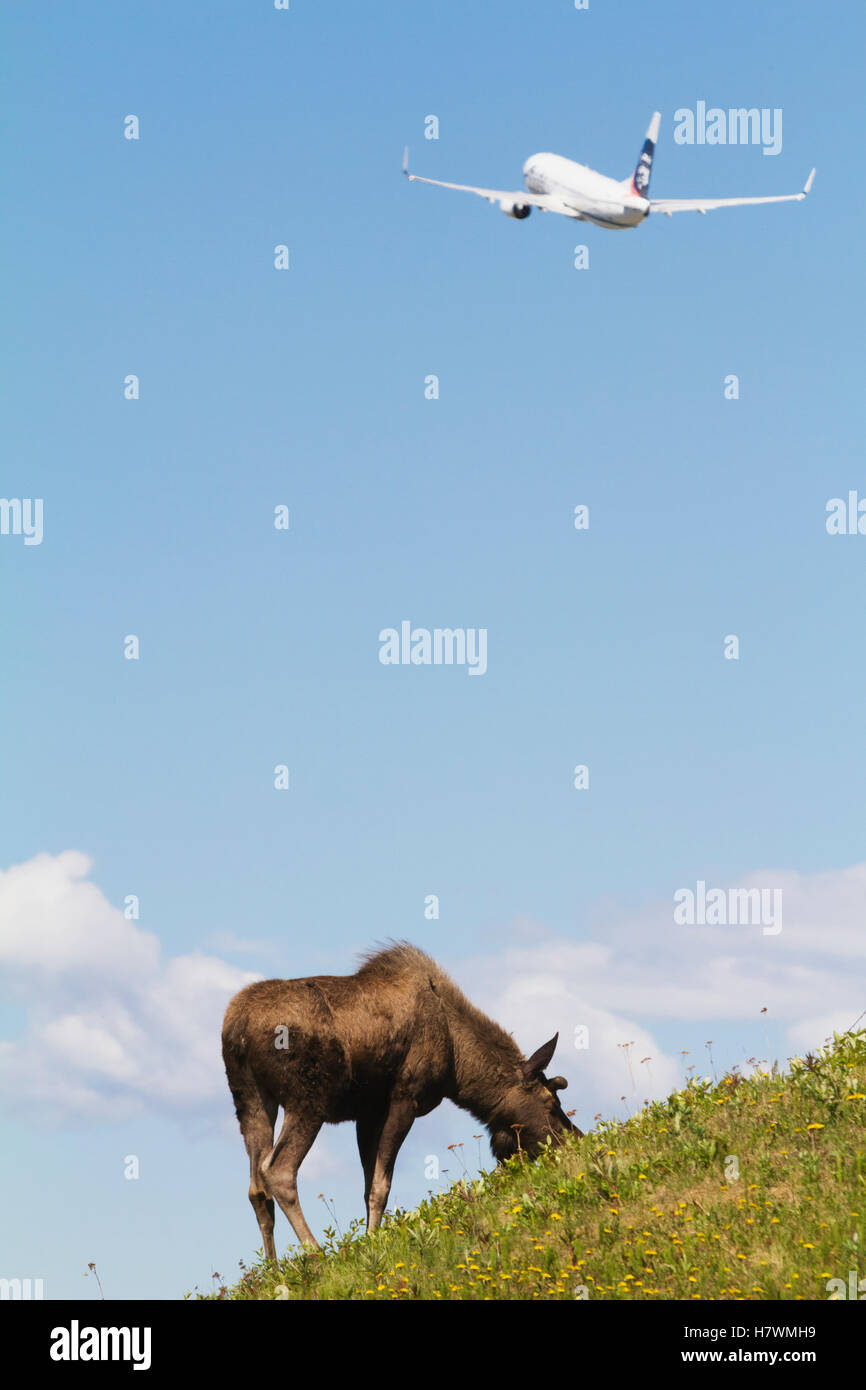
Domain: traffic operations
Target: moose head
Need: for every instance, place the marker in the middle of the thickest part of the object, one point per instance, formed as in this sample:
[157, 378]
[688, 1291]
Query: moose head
[530, 1110]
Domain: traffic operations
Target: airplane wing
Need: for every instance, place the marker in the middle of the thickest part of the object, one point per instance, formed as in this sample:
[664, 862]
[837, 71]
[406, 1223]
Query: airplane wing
[671, 205]
[493, 195]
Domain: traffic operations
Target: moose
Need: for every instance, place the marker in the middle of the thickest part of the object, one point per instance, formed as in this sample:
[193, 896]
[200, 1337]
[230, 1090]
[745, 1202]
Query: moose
[379, 1047]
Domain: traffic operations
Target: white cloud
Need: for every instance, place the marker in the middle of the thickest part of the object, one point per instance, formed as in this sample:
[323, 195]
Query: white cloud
[810, 1033]
[52, 921]
[112, 1026]
[642, 970]
[559, 986]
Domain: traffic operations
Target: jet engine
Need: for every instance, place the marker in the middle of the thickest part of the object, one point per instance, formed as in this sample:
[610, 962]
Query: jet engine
[512, 209]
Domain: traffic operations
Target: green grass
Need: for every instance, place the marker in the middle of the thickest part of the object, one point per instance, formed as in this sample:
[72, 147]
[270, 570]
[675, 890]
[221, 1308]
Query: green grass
[749, 1188]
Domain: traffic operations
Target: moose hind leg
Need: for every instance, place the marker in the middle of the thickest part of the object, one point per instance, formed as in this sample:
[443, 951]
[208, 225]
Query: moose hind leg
[399, 1120]
[258, 1131]
[369, 1130]
[280, 1170]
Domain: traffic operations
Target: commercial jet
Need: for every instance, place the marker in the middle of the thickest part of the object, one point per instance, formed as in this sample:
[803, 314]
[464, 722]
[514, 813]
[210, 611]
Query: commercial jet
[556, 184]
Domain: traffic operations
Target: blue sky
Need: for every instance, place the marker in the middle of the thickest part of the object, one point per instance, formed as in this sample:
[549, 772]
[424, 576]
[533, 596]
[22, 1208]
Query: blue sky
[259, 647]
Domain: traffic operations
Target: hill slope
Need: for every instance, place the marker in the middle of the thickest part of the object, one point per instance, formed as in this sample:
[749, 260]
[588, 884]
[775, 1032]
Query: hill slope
[752, 1188]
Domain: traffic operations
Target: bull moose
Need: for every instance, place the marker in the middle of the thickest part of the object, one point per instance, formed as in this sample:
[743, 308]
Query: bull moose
[379, 1047]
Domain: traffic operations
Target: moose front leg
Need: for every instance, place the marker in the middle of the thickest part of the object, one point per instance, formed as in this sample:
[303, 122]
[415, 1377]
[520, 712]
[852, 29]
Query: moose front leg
[398, 1122]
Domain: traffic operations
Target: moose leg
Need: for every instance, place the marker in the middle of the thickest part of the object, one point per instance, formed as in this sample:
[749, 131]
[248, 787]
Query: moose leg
[397, 1124]
[280, 1170]
[257, 1128]
[369, 1131]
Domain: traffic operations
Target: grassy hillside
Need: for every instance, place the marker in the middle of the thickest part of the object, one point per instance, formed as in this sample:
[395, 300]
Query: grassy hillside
[742, 1189]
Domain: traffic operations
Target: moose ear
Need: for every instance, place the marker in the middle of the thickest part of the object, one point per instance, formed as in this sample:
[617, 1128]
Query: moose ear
[535, 1064]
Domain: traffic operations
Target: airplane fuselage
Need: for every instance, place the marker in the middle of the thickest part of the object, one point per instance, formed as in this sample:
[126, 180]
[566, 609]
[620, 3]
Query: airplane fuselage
[555, 184]
[583, 193]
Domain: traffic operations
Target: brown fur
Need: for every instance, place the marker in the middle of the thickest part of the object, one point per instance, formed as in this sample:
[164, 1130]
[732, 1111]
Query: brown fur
[379, 1047]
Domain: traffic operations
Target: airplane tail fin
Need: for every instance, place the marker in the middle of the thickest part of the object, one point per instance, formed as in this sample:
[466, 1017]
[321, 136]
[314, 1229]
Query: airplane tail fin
[640, 179]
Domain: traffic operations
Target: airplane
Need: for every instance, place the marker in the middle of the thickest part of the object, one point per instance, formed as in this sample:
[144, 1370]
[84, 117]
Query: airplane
[557, 184]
